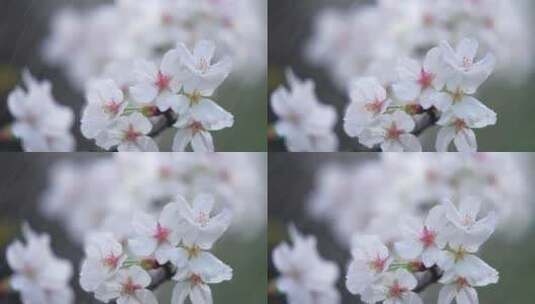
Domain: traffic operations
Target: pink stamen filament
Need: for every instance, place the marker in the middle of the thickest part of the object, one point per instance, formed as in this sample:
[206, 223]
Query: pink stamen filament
[162, 81]
[428, 237]
[131, 134]
[161, 233]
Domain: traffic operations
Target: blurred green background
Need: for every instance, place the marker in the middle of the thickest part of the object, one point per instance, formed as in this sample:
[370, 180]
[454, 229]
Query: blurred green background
[22, 183]
[25, 24]
[291, 27]
[291, 178]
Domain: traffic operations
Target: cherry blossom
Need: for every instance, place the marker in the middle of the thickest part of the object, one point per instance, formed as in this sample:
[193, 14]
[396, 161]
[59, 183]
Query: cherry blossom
[203, 76]
[457, 125]
[174, 246]
[425, 240]
[158, 85]
[368, 101]
[40, 122]
[85, 43]
[129, 133]
[445, 244]
[393, 133]
[195, 128]
[397, 289]
[193, 281]
[304, 122]
[438, 91]
[371, 259]
[390, 28]
[127, 112]
[462, 288]
[465, 74]
[305, 276]
[104, 257]
[418, 82]
[39, 276]
[128, 286]
[106, 103]
[202, 226]
[157, 237]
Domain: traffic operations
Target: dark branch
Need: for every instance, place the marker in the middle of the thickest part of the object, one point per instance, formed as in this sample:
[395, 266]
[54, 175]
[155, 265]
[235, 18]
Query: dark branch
[162, 275]
[169, 121]
[431, 277]
[430, 119]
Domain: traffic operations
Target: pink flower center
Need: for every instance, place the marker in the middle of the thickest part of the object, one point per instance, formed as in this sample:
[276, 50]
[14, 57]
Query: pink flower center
[375, 106]
[426, 79]
[393, 132]
[428, 237]
[131, 134]
[461, 283]
[161, 233]
[111, 261]
[429, 19]
[195, 279]
[112, 107]
[378, 264]
[202, 218]
[459, 124]
[129, 287]
[196, 127]
[396, 290]
[162, 81]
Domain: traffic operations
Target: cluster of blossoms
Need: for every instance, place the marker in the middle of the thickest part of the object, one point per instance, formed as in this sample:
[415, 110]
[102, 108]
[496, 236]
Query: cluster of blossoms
[372, 197]
[442, 86]
[38, 275]
[121, 112]
[173, 246]
[305, 277]
[101, 195]
[40, 123]
[445, 243]
[110, 36]
[390, 28]
[305, 123]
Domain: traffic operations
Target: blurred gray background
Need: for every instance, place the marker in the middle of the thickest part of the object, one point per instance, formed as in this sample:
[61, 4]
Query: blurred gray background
[291, 178]
[290, 28]
[24, 25]
[24, 178]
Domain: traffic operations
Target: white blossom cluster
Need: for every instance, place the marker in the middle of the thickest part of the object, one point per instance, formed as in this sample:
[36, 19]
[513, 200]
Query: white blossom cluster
[305, 277]
[442, 86]
[41, 124]
[179, 90]
[101, 195]
[390, 28]
[179, 239]
[373, 196]
[304, 122]
[446, 242]
[110, 36]
[38, 276]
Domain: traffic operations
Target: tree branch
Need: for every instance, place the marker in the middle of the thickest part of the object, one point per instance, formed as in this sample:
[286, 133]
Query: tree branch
[430, 278]
[430, 119]
[169, 121]
[162, 275]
